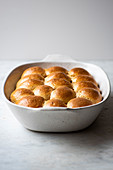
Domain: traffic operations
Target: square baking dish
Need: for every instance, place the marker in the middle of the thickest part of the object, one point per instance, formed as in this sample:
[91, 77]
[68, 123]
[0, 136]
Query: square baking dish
[56, 119]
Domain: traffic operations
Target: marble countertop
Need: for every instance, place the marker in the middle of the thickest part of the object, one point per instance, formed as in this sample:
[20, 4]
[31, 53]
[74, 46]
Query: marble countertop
[90, 149]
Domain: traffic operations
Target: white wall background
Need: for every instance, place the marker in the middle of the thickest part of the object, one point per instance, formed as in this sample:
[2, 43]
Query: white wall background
[32, 29]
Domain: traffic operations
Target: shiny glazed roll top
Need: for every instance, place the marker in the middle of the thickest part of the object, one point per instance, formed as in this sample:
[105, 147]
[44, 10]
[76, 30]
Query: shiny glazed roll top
[91, 94]
[55, 83]
[83, 84]
[78, 102]
[30, 84]
[63, 93]
[31, 101]
[43, 91]
[54, 103]
[34, 70]
[55, 69]
[78, 71]
[31, 76]
[80, 78]
[57, 75]
[19, 93]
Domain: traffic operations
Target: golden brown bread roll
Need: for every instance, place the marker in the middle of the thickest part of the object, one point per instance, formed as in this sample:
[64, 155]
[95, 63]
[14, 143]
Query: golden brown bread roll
[31, 101]
[19, 93]
[54, 83]
[58, 75]
[78, 71]
[91, 94]
[83, 84]
[30, 84]
[44, 91]
[34, 70]
[57, 84]
[55, 69]
[80, 78]
[54, 103]
[78, 102]
[63, 93]
[31, 76]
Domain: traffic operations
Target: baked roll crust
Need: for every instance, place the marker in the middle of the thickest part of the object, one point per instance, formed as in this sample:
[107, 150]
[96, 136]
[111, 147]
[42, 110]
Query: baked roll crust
[31, 101]
[30, 84]
[78, 71]
[55, 69]
[31, 76]
[78, 102]
[63, 93]
[84, 84]
[54, 103]
[34, 70]
[57, 87]
[91, 94]
[55, 83]
[43, 91]
[19, 93]
[58, 75]
[80, 78]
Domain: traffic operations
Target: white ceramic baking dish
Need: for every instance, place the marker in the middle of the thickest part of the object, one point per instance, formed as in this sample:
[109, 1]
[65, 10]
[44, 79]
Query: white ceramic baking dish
[56, 119]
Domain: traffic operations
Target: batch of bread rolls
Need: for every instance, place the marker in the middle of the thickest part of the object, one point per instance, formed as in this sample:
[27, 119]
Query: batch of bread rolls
[56, 87]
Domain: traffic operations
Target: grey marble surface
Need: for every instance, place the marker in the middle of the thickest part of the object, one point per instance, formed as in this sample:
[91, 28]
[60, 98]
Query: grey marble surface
[90, 149]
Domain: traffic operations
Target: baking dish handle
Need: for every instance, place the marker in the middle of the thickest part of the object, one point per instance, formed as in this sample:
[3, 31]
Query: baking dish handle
[58, 57]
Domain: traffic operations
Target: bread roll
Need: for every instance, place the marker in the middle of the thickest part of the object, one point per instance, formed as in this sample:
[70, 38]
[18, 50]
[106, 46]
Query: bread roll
[19, 93]
[54, 83]
[34, 70]
[54, 103]
[84, 78]
[78, 102]
[63, 93]
[55, 69]
[83, 84]
[57, 75]
[31, 76]
[31, 101]
[91, 94]
[78, 71]
[44, 91]
[30, 84]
